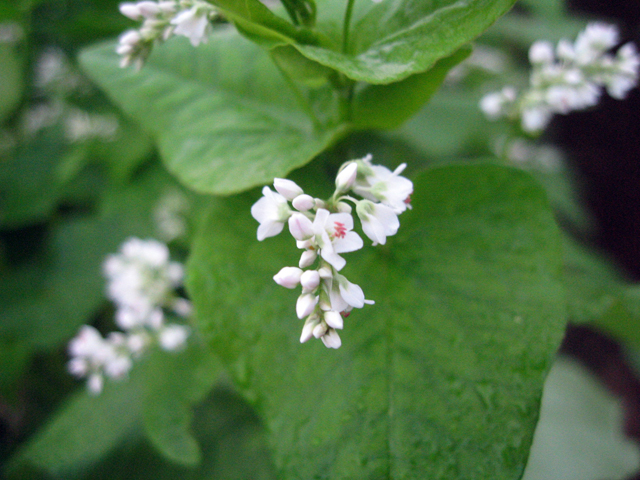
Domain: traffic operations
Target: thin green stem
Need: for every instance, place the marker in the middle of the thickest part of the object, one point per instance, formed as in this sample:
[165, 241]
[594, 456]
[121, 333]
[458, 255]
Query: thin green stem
[346, 27]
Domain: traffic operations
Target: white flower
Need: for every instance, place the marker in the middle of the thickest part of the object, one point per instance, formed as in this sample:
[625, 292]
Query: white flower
[288, 277]
[307, 258]
[173, 337]
[497, 104]
[331, 339]
[333, 234]
[541, 52]
[300, 226]
[287, 188]
[305, 305]
[378, 221]
[193, 24]
[303, 202]
[309, 280]
[310, 324]
[382, 185]
[346, 177]
[271, 211]
[333, 319]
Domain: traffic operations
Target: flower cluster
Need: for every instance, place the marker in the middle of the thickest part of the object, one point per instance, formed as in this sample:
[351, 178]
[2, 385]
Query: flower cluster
[160, 21]
[142, 283]
[323, 229]
[569, 77]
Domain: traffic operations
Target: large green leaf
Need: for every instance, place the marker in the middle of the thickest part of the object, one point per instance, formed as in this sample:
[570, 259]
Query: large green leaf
[395, 39]
[224, 117]
[442, 377]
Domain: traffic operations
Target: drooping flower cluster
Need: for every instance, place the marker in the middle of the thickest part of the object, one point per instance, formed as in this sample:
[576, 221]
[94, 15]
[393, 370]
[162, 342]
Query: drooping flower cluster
[161, 20]
[323, 229]
[142, 283]
[567, 78]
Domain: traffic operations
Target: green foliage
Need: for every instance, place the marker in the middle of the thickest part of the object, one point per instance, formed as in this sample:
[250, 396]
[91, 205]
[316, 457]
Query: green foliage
[223, 116]
[441, 379]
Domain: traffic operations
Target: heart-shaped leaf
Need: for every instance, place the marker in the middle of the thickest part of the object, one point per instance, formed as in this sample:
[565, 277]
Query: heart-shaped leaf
[442, 377]
[394, 39]
[224, 117]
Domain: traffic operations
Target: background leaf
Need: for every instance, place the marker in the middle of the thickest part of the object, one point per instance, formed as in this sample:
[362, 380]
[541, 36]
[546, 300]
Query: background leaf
[442, 377]
[394, 39]
[224, 117]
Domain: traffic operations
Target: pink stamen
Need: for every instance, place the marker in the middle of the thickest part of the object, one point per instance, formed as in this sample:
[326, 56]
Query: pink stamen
[340, 229]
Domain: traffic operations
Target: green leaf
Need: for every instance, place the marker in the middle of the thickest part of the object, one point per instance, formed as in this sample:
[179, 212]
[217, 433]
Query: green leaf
[395, 39]
[11, 79]
[388, 106]
[174, 383]
[580, 435]
[442, 377]
[83, 431]
[224, 117]
[254, 18]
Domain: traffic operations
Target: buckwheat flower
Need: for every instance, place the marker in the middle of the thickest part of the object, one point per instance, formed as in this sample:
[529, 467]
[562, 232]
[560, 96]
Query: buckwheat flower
[541, 52]
[570, 78]
[307, 258]
[303, 202]
[334, 235]
[173, 337]
[310, 324]
[378, 221]
[301, 227]
[305, 305]
[288, 277]
[333, 319]
[193, 24]
[95, 383]
[331, 339]
[287, 188]
[271, 211]
[346, 177]
[379, 184]
[309, 280]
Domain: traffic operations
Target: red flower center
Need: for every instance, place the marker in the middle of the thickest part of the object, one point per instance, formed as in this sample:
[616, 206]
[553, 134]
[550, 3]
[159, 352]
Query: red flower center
[340, 230]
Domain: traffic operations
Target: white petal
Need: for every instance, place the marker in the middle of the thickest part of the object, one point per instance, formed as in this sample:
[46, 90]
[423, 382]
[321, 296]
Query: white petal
[334, 319]
[331, 339]
[310, 280]
[269, 229]
[305, 305]
[287, 188]
[307, 258]
[288, 277]
[300, 226]
[350, 243]
[351, 293]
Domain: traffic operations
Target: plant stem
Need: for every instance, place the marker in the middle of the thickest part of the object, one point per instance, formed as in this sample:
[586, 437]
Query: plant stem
[346, 25]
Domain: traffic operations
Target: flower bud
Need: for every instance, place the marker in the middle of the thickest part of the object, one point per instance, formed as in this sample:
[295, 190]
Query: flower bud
[346, 177]
[307, 331]
[331, 339]
[305, 305]
[310, 280]
[307, 258]
[287, 188]
[320, 329]
[130, 10]
[300, 226]
[333, 319]
[303, 202]
[288, 277]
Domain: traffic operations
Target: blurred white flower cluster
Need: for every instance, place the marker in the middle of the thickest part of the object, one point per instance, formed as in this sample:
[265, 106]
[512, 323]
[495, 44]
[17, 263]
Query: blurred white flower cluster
[323, 229]
[142, 283]
[160, 21]
[568, 77]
